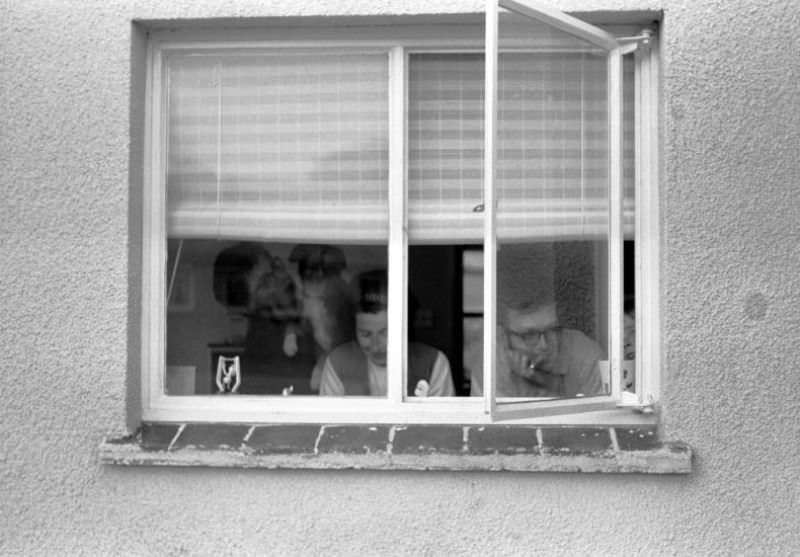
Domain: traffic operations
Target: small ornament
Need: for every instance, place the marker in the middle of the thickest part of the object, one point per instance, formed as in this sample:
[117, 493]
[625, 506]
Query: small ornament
[229, 374]
[422, 389]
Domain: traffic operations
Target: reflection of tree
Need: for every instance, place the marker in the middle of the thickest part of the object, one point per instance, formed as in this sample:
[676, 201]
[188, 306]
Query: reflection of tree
[560, 271]
[247, 275]
[574, 286]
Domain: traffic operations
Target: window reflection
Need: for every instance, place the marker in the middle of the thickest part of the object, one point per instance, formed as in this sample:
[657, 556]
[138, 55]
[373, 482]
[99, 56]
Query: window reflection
[282, 308]
[279, 307]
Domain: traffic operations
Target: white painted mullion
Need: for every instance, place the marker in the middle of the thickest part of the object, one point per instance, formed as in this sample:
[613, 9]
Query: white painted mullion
[647, 314]
[154, 259]
[489, 208]
[615, 232]
[642, 198]
[398, 230]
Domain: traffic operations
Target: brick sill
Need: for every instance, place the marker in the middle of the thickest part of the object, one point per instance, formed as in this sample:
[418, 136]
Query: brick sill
[414, 447]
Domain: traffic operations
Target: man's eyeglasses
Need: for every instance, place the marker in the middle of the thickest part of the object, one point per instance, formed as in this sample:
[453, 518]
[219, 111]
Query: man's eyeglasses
[533, 336]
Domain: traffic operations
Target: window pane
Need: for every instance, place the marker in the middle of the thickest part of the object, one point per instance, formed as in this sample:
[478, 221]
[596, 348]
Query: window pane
[629, 203]
[552, 182]
[272, 155]
[472, 265]
[279, 308]
[445, 191]
[445, 147]
[552, 215]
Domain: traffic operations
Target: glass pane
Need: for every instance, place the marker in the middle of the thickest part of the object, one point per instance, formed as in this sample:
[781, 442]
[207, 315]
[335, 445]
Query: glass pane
[445, 193]
[277, 198]
[472, 264]
[629, 204]
[445, 147]
[552, 215]
[265, 315]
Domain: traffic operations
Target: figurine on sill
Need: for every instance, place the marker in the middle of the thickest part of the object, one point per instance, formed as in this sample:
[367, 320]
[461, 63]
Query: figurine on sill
[229, 374]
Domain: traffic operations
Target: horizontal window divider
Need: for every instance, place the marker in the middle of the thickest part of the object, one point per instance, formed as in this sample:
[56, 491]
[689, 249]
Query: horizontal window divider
[411, 45]
[444, 410]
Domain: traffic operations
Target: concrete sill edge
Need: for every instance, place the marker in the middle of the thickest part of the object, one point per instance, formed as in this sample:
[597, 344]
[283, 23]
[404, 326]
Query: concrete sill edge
[401, 447]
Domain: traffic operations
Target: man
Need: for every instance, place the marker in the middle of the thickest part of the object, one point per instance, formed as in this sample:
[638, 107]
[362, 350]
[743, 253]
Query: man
[537, 357]
[360, 368]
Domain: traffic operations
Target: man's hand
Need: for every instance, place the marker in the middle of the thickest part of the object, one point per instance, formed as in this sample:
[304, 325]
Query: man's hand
[523, 366]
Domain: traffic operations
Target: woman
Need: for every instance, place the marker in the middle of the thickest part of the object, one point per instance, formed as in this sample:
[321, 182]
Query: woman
[359, 367]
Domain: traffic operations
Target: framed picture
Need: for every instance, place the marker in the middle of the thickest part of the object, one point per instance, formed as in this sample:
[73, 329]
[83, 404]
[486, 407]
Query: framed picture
[181, 290]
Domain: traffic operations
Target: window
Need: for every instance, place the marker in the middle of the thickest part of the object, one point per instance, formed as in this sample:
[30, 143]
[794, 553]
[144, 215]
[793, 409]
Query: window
[375, 215]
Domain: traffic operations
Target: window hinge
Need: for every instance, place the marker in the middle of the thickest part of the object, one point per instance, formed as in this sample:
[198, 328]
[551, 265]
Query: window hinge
[643, 40]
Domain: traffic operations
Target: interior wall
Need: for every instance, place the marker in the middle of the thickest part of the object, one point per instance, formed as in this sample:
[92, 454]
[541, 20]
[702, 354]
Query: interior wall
[729, 332]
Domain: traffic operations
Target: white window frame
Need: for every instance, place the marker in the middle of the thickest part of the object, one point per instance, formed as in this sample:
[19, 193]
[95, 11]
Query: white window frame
[510, 408]
[396, 407]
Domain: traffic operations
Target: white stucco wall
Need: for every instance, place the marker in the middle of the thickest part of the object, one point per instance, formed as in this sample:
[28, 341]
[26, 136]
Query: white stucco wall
[731, 325]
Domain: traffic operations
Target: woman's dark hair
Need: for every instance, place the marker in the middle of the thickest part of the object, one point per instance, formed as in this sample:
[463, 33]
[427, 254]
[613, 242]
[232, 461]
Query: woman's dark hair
[372, 292]
[372, 296]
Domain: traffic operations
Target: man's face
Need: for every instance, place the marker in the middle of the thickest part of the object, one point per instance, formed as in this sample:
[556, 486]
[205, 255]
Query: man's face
[535, 334]
[371, 336]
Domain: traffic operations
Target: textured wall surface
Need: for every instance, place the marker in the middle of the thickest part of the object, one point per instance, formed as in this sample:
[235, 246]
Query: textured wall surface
[731, 326]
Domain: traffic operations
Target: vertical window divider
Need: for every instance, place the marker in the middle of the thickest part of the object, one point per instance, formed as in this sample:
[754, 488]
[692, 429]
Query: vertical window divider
[489, 213]
[398, 230]
[639, 191]
[615, 263]
[154, 247]
[648, 356]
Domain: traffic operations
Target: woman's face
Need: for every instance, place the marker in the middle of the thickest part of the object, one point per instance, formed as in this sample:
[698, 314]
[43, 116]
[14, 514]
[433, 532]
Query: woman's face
[371, 336]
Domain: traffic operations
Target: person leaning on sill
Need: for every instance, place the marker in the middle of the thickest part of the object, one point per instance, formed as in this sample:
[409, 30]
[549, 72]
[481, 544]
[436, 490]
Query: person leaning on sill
[359, 367]
[537, 357]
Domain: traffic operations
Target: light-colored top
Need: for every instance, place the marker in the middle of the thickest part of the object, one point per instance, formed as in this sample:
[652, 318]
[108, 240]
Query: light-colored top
[575, 370]
[441, 383]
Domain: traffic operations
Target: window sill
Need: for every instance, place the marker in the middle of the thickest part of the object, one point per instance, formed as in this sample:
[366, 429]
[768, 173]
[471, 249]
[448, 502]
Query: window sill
[408, 447]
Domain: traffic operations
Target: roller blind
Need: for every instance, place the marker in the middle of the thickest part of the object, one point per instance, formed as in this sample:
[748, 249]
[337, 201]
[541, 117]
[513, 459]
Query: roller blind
[552, 178]
[277, 145]
[292, 146]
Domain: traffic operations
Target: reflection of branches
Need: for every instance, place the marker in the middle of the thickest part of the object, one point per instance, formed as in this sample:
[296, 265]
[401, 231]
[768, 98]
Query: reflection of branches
[325, 294]
[246, 274]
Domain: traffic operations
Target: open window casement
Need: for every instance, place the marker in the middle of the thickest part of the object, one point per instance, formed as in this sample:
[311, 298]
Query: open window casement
[573, 188]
